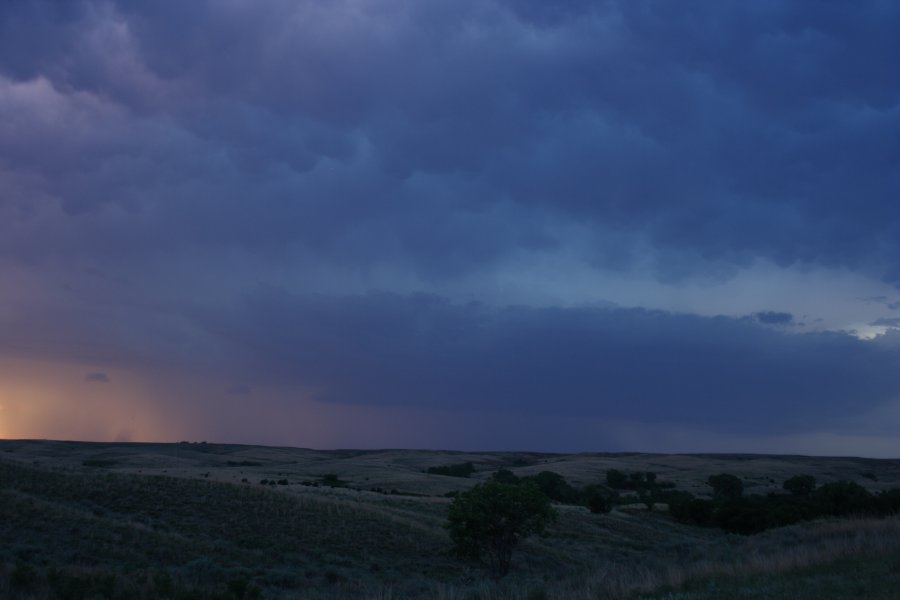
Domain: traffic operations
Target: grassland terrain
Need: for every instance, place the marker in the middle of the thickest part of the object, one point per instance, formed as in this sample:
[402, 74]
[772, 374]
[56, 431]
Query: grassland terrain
[192, 520]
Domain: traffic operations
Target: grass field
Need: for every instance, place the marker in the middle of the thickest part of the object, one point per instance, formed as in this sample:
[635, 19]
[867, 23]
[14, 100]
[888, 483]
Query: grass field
[82, 520]
[873, 575]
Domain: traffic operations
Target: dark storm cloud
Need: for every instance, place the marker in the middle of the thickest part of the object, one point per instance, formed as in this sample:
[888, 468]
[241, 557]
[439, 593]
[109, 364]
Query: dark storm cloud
[774, 318]
[157, 159]
[883, 300]
[385, 131]
[886, 322]
[617, 363]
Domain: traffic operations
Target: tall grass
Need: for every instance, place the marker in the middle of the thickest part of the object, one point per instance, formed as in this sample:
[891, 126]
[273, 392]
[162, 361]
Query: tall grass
[778, 552]
[90, 533]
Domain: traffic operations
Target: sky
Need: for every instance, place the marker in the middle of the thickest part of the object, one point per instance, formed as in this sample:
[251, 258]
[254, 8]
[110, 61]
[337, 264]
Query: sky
[625, 225]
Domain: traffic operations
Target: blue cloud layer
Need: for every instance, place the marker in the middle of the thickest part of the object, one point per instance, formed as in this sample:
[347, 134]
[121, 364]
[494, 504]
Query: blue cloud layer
[601, 362]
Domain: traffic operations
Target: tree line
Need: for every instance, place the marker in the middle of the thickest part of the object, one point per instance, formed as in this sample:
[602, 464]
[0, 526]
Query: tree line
[488, 521]
[731, 510]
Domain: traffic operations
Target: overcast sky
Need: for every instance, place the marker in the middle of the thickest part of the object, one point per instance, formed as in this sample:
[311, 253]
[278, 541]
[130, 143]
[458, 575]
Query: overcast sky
[579, 225]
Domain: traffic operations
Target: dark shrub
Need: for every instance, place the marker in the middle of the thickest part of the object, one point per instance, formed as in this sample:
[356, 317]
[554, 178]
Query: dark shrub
[332, 480]
[554, 486]
[744, 517]
[843, 498]
[505, 476]
[98, 462]
[888, 502]
[599, 504]
[726, 486]
[694, 511]
[598, 499]
[23, 577]
[616, 479]
[786, 510]
[648, 498]
[240, 588]
[457, 470]
[800, 485]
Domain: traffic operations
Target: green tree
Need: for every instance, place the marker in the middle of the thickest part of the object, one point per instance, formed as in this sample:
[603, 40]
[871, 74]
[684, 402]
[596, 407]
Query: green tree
[487, 522]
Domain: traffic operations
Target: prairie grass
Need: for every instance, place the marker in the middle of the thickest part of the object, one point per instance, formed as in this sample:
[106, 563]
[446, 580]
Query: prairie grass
[203, 535]
[79, 532]
[775, 553]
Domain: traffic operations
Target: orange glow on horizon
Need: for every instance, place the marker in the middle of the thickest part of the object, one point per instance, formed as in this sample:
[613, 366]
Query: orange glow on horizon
[53, 400]
[62, 401]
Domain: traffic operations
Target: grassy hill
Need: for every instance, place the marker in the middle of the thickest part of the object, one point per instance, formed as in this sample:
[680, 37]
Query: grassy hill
[85, 520]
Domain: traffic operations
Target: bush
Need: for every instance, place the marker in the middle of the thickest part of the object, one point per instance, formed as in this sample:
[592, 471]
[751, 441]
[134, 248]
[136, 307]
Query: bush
[743, 516]
[888, 502]
[23, 577]
[505, 476]
[637, 480]
[330, 480]
[726, 486]
[843, 498]
[616, 479]
[457, 470]
[648, 498]
[599, 504]
[598, 499]
[752, 514]
[487, 522]
[687, 509]
[554, 486]
[800, 485]
[98, 462]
